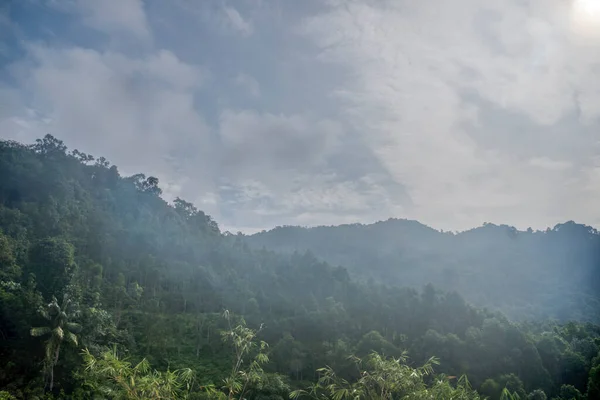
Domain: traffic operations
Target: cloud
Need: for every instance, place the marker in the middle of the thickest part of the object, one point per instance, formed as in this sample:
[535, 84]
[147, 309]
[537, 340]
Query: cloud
[139, 113]
[279, 169]
[410, 64]
[113, 17]
[275, 142]
[303, 199]
[547, 163]
[222, 18]
[236, 22]
[248, 83]
[450, 113]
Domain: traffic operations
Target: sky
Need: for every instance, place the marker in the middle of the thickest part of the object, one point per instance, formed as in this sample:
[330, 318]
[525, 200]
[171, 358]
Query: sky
[267, 113]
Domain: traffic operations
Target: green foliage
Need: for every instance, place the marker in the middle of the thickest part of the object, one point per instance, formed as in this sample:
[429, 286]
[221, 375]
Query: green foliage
[59, 329]
[537, 395]
[52, 262]
[482, 264]
[4, 395]
[113, 378]
[251, 376]
[9, 270]
[153, 278]
[508, 395]
[568, 392]
[593, 386]
[387, 378]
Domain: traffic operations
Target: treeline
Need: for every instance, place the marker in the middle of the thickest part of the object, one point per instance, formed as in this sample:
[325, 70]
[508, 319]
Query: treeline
[125, 275]
[554, 273]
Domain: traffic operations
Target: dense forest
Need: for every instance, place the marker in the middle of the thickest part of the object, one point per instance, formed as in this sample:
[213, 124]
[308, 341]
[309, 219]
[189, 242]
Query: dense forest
[525, 274]
[107, 291]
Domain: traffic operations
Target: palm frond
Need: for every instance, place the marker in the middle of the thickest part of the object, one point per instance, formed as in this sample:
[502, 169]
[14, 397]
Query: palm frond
[296, 394]
[73, 327]
[143, 366]
[58, 332]
[71, 338]
[44, 313]
[40, 331]
[49, 350]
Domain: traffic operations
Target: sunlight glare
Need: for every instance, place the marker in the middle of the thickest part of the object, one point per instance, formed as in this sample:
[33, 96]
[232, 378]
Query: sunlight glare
[585, 17]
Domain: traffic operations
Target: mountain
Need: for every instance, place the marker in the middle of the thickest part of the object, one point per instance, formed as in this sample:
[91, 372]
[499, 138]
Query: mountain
[95, 266]
[525, 274]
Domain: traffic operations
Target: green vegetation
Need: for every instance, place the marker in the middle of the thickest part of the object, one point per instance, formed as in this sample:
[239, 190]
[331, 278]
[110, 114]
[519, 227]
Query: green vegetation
[524, 274]
[388, 379]
[59, 329]
[143, 286]
[111, 377]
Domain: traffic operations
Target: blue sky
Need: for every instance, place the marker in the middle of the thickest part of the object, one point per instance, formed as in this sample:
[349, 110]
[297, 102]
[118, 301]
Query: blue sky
[267, 113]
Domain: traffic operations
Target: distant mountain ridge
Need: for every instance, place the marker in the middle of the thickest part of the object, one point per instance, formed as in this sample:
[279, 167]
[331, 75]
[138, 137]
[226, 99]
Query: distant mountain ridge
[525, 274]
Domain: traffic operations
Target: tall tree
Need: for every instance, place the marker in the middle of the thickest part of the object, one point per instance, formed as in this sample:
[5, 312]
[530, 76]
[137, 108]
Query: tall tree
[60, 329]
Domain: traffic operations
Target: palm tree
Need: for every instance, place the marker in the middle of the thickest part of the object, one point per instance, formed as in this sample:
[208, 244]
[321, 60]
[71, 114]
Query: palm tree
[59, 329]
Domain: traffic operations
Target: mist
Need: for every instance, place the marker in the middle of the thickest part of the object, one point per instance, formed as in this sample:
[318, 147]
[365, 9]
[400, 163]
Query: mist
[269, 200]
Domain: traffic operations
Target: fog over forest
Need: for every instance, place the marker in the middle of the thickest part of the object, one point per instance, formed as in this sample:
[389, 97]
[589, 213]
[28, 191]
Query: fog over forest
[316, 199]
[112, 275]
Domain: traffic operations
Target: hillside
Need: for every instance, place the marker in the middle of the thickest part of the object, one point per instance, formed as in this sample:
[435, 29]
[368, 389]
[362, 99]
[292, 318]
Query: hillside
[95, 266]
[525, 274]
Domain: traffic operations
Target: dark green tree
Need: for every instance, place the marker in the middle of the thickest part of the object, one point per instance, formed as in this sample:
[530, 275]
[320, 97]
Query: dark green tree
[59, 329]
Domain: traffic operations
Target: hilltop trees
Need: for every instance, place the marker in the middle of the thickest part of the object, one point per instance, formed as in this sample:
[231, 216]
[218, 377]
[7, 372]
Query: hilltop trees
[153, 279]
[481, 264]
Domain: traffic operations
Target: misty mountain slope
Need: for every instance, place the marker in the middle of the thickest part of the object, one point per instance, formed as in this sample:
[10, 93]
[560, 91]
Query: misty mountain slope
[525, 274]
[153, 279]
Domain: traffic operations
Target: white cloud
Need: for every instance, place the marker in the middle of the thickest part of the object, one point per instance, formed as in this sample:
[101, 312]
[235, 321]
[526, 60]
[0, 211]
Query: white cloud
[219, 17]
[237, 22]
[139, 113]
[248, 83]
[549, 164]
[453, 113]
[407, 63]
[276, 171]
[165, 66]
[305, 199]
[270, 144]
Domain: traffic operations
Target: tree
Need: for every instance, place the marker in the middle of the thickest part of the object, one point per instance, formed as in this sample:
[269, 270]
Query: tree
[387, 379]
[9, 270]
[593, 388]
[82, 157]
[102, 162]
[569, 392]
[151, 186]
[508, 395]
[151, 277]
[119, 379]
[184, 208]
[60, 330]
[537, 395]
[513, 385]
[49, 145]
[52, 261]
[244, 344]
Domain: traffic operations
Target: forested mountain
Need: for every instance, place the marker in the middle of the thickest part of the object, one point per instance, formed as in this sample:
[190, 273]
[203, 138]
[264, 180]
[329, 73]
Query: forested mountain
[108, 291]
[526, 274]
